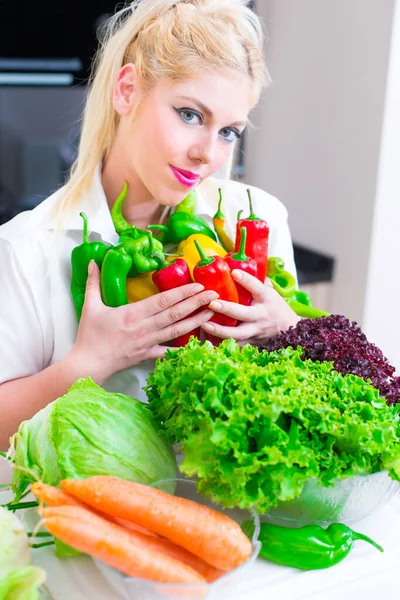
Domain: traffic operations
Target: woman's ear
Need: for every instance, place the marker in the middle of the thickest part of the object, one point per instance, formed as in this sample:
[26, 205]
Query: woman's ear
[124, 89]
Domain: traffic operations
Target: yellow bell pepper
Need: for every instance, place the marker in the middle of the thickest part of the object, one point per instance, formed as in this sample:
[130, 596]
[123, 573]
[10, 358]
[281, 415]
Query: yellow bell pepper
[140, 287]
[188, 251]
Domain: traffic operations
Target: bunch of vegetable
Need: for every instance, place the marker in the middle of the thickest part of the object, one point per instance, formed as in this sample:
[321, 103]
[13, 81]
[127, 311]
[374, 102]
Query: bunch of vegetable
[336, 339]
[142, 264]
[255, 426]
[19, 580]
[89, 431]
[143, 531]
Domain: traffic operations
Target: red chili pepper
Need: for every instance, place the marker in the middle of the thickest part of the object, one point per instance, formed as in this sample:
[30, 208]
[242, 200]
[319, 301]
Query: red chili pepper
[214, 273]
[171, 275]
[257, 240]
[239, 260]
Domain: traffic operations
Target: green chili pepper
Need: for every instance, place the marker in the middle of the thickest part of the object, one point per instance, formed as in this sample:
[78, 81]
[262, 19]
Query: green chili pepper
[302, 297]
[188, 204]
[307, 312]
[285, 285]
[283, 281]
[140, 250]
[80, 259]
[119, 221]
[307, 548]
[114, 271]
[181, 225]
[275, 265]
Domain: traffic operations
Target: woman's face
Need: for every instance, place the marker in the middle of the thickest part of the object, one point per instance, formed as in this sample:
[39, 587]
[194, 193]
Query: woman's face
[175, 136]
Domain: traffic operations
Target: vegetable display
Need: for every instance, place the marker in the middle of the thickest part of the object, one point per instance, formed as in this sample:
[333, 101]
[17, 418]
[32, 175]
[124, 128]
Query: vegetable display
[199, 529]
[125, 550]
[89, 431]
[308, 548]
[127, 269]
[19, 580]
[335, 338]
[255, 426]
[143, 531]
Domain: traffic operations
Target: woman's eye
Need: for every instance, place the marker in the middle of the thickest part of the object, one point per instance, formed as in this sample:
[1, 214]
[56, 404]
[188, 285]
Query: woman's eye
[229, 134]
[189, 116]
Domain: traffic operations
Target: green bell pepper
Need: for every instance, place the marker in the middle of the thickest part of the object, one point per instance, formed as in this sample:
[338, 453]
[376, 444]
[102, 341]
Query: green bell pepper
[181, 225]
[114, 272]
[140, 250]
[307, 548]
[80, 259]
[188, 203]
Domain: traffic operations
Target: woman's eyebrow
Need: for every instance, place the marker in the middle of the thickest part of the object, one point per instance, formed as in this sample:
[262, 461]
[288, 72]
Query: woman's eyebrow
[208, 111]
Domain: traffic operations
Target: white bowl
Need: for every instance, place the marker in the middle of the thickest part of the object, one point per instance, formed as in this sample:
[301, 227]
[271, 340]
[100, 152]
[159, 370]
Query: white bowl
[131, 588]
[348, 501]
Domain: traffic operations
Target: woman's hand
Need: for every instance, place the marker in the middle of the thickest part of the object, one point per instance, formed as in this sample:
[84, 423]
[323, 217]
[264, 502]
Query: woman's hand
[267, 315]
[110, 340]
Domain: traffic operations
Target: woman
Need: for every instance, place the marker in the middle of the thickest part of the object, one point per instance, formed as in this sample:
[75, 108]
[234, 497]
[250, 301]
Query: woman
[171, 92]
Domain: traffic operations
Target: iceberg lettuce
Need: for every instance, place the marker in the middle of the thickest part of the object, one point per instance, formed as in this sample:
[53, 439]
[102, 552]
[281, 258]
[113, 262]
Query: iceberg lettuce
[86, 432]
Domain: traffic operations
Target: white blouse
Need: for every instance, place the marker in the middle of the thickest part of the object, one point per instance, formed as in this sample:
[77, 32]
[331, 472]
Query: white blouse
[38, 324]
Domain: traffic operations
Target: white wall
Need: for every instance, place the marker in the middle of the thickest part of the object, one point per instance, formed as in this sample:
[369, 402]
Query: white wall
[381, 318]
[316, 143]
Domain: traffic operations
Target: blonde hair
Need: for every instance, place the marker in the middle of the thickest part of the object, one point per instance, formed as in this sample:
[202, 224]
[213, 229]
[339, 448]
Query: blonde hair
[163, 39]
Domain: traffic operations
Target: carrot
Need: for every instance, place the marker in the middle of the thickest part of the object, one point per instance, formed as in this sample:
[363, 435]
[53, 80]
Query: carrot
[125, 550]
[204, 532]
[53, 496]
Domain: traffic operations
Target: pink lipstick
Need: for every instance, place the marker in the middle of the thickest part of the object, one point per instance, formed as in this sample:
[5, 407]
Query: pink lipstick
[186, 178]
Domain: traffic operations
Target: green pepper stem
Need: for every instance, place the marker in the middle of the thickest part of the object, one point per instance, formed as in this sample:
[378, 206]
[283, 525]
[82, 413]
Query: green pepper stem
[241, 254]
[239, 215]
[39, 534]
[252, 216]
[85, 228]
[204, 259]
[160, 260]
[119, 221]
[160, 227]
[219, 214]
[360, 536]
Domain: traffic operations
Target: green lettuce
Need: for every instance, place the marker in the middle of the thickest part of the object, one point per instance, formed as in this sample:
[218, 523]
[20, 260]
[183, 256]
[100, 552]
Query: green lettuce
[19, 580]
[89, 431]
[255, 426]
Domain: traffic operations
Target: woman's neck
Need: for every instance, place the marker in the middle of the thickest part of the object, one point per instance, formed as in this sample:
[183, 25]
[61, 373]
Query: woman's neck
[139, 206]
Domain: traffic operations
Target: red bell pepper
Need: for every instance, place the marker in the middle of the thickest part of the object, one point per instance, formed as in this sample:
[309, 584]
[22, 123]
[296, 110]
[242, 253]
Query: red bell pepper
[257, 240]
[171, 275]
[239, 260]
[214, 273]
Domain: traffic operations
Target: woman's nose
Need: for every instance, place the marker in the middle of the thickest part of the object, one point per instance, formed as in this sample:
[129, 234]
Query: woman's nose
[204, 150]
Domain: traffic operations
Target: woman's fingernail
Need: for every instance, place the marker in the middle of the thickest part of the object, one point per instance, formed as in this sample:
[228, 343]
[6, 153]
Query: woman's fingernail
[211, 296]
[237, 274]
[91, 267]
[208, 326]
[214, 305]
